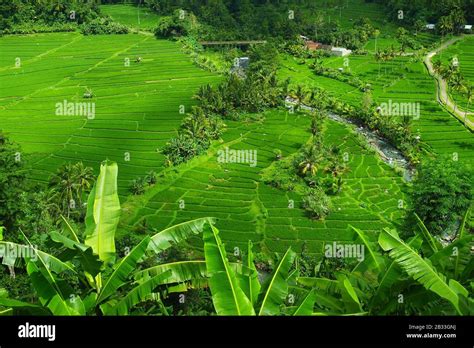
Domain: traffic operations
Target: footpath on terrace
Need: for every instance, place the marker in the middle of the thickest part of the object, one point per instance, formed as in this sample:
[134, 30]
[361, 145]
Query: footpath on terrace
[442, 91]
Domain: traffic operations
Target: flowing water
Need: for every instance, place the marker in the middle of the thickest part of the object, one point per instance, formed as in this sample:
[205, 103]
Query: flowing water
[387, 152]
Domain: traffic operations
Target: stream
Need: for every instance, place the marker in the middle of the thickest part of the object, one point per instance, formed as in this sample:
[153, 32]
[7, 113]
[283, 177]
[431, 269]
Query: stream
[387, 153]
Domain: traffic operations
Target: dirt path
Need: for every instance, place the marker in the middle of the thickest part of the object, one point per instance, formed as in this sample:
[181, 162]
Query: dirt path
[442, 91]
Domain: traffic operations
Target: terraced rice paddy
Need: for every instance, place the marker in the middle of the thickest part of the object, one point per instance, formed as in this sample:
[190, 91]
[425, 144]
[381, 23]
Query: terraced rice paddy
[131, 16]
[249, 209]
[137, 107]
[137, 110]
[401, 80]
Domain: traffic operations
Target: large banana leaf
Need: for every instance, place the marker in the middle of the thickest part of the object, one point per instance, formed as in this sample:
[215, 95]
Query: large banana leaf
[181, 271]
[323, 299]
[307, 306]
[458, 251]
[122, 271]
[103, 213]
[275, 289]
[178, 233]
[70, 229]
[391, 276]
[249, 282]
[20, 307]
[349, 295]
[328, 285]
[6, 312]
[67, 242]
[49, 291]
[227, 296]
[427, 235]
[10, 252]
[419, 268]
[372, 252]
[139, 294]
[458, 260]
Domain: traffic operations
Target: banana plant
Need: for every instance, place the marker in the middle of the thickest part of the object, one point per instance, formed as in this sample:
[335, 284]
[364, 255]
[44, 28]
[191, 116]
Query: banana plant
[416, 276]
[422, 270]
[236, 289]
[108, 286]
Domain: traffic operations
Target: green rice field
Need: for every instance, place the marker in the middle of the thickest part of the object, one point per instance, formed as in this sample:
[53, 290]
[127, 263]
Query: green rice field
[137, 106]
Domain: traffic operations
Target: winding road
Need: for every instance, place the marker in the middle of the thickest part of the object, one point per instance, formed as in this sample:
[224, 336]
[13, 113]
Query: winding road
[442, 91]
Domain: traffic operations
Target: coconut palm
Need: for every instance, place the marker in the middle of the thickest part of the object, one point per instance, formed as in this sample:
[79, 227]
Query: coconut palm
[317, 122]
[458, 85]
[69, 184]
[445, 25]
[84, 179]
[312, 157]
[337, 168]
[437, 65]
[300, 95]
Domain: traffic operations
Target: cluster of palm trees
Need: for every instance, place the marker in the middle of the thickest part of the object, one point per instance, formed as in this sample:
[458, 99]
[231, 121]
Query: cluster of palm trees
[453, 22]
[395, 130]
[253, 93]
[452, 74]
[69, 186]
[197, 131]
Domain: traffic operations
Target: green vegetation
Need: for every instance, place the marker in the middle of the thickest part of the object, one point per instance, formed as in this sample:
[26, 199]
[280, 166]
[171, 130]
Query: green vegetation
[270, 177]
[442, 193]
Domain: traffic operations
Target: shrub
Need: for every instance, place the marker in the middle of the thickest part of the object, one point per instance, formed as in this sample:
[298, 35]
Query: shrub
[137, 187]
[442, 193]
[317, 204]
[102, 26]
[151, 178]
[181, 149]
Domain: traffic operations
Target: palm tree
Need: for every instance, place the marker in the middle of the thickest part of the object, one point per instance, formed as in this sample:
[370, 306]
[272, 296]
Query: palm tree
[337, 168]
[69, 184]
[300, 94]
[64, 188]
[437, 65]
[312, 157]
[317, 122]
[445, 25]
[84, 179]
[457, 83]
[379, 58]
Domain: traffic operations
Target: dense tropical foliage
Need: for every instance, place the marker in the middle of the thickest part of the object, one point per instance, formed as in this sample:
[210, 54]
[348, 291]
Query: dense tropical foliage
[347, 211]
